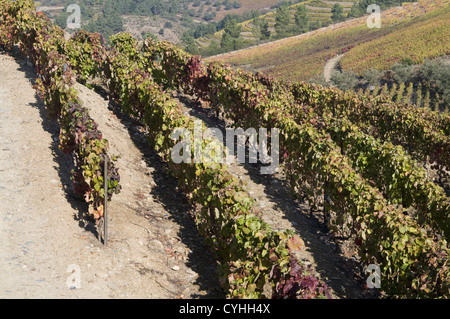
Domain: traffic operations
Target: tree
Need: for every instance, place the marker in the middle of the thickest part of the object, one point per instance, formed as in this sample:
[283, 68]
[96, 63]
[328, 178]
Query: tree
[234, 18]
[393, 91]
[355, 11]
[202, 30]
[209, 16]
[265, 32]
[106, 25]
[174, 7]
[146, 35]
[283, 20]
[337, 13]
[157, 8]
[315, 25]
[231, 37]
[191, 45]
[229, 43]
[233, 28]
[345, 80]
[372, 77]
[212, 49]
[261, 29]
[226, 42]
[302, 19]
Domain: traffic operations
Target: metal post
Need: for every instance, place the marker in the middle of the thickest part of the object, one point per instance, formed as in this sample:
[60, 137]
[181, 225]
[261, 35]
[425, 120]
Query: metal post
[105, 215]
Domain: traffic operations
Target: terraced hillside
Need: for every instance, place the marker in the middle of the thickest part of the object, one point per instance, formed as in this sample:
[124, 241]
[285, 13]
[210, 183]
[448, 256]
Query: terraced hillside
[426, 36]
[319, 11]
[247, 5]
[199, 7]
[405, 33]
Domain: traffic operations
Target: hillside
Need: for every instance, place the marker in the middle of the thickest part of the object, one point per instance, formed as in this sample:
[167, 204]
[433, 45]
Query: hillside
[169, 21]
[303, 57]
[198, 8]
[424, 37]
[247, 5]
[319, 11]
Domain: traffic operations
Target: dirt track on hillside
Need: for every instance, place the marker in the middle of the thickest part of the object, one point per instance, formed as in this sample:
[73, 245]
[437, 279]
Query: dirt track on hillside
[330, 66]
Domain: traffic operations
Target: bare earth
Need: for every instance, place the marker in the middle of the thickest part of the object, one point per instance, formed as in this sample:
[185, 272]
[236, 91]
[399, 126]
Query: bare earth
[154, 250]
[330, 66]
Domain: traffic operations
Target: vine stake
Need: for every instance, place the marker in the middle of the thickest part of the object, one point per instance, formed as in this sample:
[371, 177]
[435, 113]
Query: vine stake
[105, 210]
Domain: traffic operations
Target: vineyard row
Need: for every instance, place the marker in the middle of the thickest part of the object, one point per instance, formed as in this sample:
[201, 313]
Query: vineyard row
[389, 237]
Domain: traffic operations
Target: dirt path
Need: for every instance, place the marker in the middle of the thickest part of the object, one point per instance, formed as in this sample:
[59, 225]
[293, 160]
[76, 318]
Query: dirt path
[330, 66]
[154, 250]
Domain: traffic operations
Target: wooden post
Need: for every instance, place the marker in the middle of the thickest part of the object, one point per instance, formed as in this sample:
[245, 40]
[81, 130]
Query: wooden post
[105, 210]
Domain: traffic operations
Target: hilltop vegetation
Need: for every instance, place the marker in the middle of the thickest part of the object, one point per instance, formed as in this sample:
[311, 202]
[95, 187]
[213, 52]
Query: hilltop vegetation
[410, 35]
[112, 16]
[287, 19]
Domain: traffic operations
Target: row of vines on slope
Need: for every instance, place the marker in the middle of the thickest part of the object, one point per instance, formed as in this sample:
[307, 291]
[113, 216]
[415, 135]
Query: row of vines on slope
[390, 168]
[413, 257]
[423, 132]
[401, 179]
[310, 156]
[43, 44]
[251, 254]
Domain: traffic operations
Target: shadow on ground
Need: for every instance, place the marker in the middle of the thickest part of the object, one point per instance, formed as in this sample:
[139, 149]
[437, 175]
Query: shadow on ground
[64, 164]
[175, 203]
